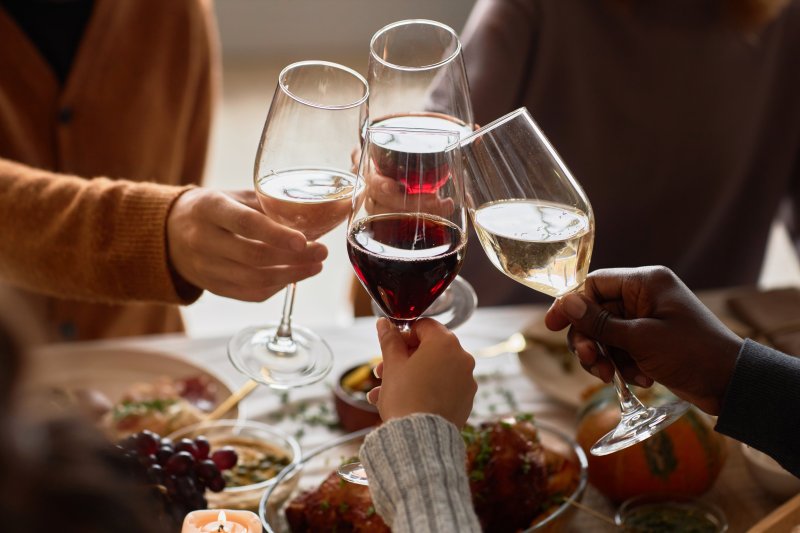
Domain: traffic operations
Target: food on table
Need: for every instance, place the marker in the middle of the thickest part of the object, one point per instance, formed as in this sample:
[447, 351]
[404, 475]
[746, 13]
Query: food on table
[361, 379]
[162, 406]
[335, 505]
[515, 482]
[685, 458]
[178, 472]
[258, 460]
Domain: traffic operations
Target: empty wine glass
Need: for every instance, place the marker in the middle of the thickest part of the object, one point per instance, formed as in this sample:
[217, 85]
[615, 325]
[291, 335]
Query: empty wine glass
[417, 80]
[407, 249]
[536, 226]
[303, 180]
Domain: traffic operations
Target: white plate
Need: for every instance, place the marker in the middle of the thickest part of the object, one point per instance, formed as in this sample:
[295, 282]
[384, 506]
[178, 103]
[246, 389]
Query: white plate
[111, 371]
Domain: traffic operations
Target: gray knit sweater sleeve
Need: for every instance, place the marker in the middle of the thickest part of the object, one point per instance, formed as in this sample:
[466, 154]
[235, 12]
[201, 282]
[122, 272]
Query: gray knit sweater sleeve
[762, 404]
[417, 475]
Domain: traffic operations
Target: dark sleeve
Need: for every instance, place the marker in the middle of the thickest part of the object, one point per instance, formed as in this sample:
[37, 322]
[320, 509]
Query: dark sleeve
[762, 405]
[498, 44]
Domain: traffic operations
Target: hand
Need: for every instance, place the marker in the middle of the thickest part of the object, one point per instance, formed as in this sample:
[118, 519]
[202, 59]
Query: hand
[222, 242]
[655, 329]
[387, 195]
[434, 376]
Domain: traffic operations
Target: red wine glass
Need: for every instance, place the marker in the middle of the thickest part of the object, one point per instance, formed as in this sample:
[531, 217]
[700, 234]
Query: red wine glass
[406, 248]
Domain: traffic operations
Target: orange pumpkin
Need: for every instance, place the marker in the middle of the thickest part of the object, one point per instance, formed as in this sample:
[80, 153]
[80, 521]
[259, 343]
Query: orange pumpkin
[685, 458]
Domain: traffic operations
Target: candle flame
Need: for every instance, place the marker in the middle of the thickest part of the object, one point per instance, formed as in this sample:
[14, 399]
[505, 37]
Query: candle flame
[222, 519]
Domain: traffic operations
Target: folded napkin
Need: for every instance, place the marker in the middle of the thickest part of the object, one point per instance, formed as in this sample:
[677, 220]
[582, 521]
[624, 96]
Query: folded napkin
[774, 315]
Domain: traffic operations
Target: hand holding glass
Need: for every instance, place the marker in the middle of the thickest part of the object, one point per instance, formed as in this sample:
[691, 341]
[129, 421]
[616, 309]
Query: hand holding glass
[303, 180]
[536, 226]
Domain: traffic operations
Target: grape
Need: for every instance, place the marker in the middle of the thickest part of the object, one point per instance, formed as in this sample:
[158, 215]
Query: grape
[225, 458]
[188, 445]
[163, 454]
[206, 470]
[217, 484]
[146, 443]
[179, 464]
[179, 472]
[203, 447]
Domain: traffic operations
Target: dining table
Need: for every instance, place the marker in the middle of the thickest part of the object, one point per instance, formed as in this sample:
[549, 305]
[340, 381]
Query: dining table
[308, 413]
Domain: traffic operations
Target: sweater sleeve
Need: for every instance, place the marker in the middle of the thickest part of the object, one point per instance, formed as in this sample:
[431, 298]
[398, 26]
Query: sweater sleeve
[762, 404]
[97, 240]
[499, 40]
[417, 475]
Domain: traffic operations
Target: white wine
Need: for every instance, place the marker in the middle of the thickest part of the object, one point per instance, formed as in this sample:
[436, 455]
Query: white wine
[546, 246]
[312, 201]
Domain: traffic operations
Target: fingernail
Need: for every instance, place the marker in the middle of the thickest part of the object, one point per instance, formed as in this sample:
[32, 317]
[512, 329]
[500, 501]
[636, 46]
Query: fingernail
[596, 373]
[642, 380]
[574, 306]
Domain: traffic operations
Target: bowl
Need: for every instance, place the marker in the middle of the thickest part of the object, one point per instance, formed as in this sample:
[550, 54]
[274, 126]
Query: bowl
[670, 513]
[352, 408]
[319, 463]
[768, 473]
[254, 442]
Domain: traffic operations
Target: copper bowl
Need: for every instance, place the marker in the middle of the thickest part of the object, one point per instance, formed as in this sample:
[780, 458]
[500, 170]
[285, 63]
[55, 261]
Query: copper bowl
[352, 407]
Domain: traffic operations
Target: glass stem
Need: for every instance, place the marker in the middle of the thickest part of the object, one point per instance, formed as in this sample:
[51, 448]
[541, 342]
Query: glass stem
[285, 327]
[403, 326]
[628, 402]
[282, 343]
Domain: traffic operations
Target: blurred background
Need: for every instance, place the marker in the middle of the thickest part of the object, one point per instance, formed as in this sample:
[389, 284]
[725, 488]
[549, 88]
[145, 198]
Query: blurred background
[259, 38]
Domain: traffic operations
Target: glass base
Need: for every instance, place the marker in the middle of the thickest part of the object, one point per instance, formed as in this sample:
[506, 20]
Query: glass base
[452, 308]
[280, 363]
[353, 473]
[638, 426]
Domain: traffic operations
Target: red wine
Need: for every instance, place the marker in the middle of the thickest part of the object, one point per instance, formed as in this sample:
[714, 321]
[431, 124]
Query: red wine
[416, 161]
[405, 261]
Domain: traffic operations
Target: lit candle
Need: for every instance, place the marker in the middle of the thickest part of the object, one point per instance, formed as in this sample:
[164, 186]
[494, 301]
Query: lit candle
[216, 521]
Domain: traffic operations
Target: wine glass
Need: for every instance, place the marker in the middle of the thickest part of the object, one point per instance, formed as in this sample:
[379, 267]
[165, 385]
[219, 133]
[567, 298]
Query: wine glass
[405, 254]
[303, 179]
[417, 80]
[536, 226]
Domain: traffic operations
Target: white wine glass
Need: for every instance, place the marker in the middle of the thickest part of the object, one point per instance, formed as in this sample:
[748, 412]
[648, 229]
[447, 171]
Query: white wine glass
[303, 180]
[536, 226]
[418, 81]
[406, 254]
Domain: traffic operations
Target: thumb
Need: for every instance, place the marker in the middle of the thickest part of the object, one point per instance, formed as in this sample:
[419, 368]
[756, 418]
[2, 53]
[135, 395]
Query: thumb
[594, 321]
[393, 346]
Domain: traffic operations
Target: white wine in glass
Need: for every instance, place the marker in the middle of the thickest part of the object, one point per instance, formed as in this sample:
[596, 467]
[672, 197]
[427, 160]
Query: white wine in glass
[536, 225]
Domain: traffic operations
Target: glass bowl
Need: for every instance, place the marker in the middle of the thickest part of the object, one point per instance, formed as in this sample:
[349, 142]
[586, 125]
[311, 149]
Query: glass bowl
[257, 437]
[670, 513]
[319, 463]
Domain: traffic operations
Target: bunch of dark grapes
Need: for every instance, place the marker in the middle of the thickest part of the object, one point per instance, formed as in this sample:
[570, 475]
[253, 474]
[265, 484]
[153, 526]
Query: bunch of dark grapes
[179, 472]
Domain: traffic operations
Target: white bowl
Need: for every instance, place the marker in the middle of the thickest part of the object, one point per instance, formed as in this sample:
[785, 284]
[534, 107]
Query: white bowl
[770, 475]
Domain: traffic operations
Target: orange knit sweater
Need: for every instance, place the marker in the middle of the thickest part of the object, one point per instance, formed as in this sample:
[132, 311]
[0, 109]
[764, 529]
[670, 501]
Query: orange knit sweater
[137, 105]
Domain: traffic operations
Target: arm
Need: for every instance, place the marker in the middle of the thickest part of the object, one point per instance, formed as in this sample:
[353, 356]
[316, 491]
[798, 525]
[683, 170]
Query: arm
[114, 240]
[656, 329]
[761, 406]
[498, 41]
[416, 460]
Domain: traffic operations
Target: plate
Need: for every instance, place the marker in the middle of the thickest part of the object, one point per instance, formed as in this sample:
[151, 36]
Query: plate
[319, 463]
[111, 371]
[549, 364]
